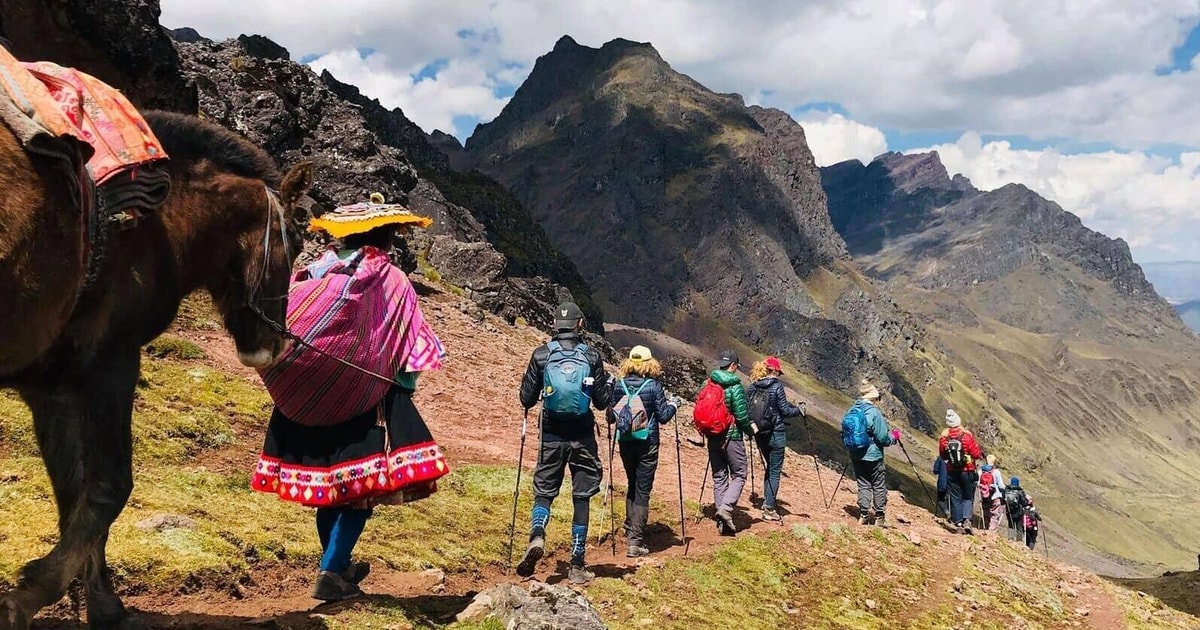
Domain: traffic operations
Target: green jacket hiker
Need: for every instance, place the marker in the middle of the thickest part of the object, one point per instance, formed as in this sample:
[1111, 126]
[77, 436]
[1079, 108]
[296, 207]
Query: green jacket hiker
[735, 401]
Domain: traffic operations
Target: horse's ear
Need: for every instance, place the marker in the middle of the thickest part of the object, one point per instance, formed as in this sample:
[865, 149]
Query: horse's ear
[295, 184]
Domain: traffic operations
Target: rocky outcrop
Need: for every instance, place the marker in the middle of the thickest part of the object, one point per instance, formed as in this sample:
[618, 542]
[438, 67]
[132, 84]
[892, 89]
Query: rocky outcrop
[121, 43]
[540, 607]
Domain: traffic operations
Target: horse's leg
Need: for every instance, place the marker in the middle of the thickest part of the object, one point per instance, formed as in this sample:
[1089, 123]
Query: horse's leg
[108, 465]
[57, 418]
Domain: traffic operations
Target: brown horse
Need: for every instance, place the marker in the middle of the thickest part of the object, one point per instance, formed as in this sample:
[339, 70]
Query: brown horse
[221, 229]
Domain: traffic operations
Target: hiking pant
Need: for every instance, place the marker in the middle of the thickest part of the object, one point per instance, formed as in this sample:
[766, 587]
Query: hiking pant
[961, 484]
[1016, 525]
[640, 459]
[872, 486]
[554, 458]
[728, 461]
[339, 529]
[771, 446]
[1031, 538]
[993, 513]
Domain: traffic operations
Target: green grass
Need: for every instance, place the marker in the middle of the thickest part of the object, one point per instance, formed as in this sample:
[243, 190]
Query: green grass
[172, 347]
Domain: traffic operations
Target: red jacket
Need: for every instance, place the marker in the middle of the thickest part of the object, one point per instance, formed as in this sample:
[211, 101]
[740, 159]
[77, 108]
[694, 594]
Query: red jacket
[969, 445]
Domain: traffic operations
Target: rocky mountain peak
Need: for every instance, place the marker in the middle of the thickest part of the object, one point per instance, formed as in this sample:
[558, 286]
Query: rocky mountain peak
[914, 171]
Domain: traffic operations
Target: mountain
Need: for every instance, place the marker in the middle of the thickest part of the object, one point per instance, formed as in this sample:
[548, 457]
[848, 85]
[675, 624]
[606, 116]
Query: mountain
[1177, 281]
[690, 213]
[1098, 373]
[1189, 312]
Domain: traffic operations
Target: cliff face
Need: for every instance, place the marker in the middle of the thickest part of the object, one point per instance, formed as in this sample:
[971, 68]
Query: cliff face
[688, 211]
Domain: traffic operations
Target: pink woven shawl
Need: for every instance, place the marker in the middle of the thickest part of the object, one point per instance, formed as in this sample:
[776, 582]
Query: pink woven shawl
[362, 310]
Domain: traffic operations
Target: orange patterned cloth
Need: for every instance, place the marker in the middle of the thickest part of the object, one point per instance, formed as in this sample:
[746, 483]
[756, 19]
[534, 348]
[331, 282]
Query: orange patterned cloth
[67, 102]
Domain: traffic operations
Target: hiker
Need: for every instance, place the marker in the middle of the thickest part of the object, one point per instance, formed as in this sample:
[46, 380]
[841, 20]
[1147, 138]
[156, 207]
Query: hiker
[769, 408]
[639, 393]
[322, 452]
[1015, 502]
[1032, 523]
[991, 494]
[939, 469]
[724, 394]
[865, 433]
[958, 448]
[569, 378]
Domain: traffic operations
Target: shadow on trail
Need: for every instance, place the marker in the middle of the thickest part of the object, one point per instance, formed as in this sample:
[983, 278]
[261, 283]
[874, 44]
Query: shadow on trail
[423, 610]
[1179, 590]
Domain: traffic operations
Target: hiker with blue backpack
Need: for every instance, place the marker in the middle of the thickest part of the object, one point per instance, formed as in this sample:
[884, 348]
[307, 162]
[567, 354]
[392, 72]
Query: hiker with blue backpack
[769, 410]
[722, 416]
[569, 378]
[639, 405]
[865, 433]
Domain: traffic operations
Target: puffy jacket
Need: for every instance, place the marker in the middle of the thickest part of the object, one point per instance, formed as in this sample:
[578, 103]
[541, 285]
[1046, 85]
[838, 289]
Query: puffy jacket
[778, 406]
[735, 402]
[970, 447]
[654, 399]
[877, 428]
[939, 469]
[566, 427]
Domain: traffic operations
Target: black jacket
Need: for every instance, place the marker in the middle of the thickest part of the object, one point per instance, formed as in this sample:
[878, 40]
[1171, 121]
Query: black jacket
[567, 428]
[654, 399]
[777, 402]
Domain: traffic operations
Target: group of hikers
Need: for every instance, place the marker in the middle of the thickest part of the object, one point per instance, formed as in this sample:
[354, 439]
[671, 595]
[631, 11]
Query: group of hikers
[345, 435]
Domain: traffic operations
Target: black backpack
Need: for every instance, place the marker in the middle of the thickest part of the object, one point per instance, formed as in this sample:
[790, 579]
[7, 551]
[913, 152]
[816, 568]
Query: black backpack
[956, 456]
[1014, 500]
[759, 402]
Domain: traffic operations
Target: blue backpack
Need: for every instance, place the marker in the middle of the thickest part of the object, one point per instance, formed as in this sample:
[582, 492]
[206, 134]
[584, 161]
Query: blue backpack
[563, 389]
[855, 435]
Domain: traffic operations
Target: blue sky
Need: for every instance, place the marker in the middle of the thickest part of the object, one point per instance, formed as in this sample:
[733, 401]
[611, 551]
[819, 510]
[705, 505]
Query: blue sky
[1092, 105]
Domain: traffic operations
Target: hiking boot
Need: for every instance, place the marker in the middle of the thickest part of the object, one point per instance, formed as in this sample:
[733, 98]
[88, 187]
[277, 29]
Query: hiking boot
[533, 553]
[770, 515]
[863, 519]
[578, 574]
[881, 521]
[356, 572]
[966, 529]
[637, 551]
[332, 587]
[725, 519]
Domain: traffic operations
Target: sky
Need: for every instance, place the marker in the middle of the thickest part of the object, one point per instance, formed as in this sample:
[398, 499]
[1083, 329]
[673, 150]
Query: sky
[1092, 103]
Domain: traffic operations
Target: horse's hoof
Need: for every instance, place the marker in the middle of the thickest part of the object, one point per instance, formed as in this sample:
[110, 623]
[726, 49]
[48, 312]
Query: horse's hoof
[12, 617]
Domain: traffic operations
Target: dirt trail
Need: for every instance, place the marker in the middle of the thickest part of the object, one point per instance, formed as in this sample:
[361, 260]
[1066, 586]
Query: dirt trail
[471, 407]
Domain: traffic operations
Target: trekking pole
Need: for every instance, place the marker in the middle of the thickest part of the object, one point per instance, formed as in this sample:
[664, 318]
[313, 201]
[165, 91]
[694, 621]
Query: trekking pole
[812, 444]
[833, 497]
[753, 484]
[679, 472]
[922, 481]
[612, 514]
[703, 482]
[512, 530]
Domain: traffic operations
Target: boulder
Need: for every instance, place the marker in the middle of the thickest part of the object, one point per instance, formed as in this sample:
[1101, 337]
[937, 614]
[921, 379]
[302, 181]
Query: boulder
[540, 607]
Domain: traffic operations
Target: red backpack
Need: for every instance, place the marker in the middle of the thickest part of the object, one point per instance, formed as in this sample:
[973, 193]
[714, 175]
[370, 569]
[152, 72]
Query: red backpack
[987, 484]
[711, 416]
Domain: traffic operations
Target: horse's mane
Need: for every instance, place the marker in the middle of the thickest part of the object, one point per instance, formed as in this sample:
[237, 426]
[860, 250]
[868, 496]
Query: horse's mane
[188, 139]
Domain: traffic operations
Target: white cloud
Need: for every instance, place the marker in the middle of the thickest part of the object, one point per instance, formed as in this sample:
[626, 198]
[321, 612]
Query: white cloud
[1042, 68]
[834, 138]
[1151, 201]
[461, 88]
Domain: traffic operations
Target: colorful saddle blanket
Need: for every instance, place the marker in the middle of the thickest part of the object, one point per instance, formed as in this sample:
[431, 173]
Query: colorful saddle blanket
[362, 310]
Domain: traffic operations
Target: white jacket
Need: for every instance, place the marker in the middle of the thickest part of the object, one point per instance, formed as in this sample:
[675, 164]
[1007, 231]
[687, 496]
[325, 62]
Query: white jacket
[998, 487]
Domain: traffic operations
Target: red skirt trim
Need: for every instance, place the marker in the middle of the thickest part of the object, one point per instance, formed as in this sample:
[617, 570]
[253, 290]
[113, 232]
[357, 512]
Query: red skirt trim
[360, 480]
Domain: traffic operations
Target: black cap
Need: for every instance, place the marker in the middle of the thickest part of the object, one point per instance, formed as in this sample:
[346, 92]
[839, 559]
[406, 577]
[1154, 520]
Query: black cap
[566, 315]
[727, 358]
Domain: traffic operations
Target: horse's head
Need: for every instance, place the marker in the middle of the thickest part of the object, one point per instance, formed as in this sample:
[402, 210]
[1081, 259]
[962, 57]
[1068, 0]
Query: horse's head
[252, 294]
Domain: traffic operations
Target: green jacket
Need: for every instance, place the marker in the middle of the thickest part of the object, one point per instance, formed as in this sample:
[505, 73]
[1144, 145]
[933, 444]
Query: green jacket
[735, 401]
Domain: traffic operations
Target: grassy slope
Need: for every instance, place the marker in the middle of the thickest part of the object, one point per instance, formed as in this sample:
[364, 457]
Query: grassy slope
[190, 414]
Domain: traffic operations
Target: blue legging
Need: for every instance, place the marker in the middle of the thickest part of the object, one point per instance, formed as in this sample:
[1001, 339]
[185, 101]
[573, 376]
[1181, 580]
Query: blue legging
[339, 529]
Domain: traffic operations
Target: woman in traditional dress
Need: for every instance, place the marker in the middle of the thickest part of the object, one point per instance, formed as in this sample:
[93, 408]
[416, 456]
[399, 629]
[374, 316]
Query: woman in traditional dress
[345, 435]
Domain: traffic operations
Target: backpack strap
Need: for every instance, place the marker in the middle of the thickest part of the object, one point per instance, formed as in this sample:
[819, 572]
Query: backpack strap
[645, 382]
[625, 388]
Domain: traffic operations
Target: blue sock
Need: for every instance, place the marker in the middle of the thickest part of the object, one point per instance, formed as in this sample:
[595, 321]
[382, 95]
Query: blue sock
[342, 538]
[578, 542]
[541, 515]
[326, 517]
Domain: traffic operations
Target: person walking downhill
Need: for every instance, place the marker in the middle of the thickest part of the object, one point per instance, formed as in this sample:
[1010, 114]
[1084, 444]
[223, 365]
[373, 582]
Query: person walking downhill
[1032, 523]
[865, 433]
[640, 405]
[769, 409]
[958, 448]
[991, 494]
[727, 453]
[340, 440]
[1015, 501]
[939, 470]
[570, 380]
